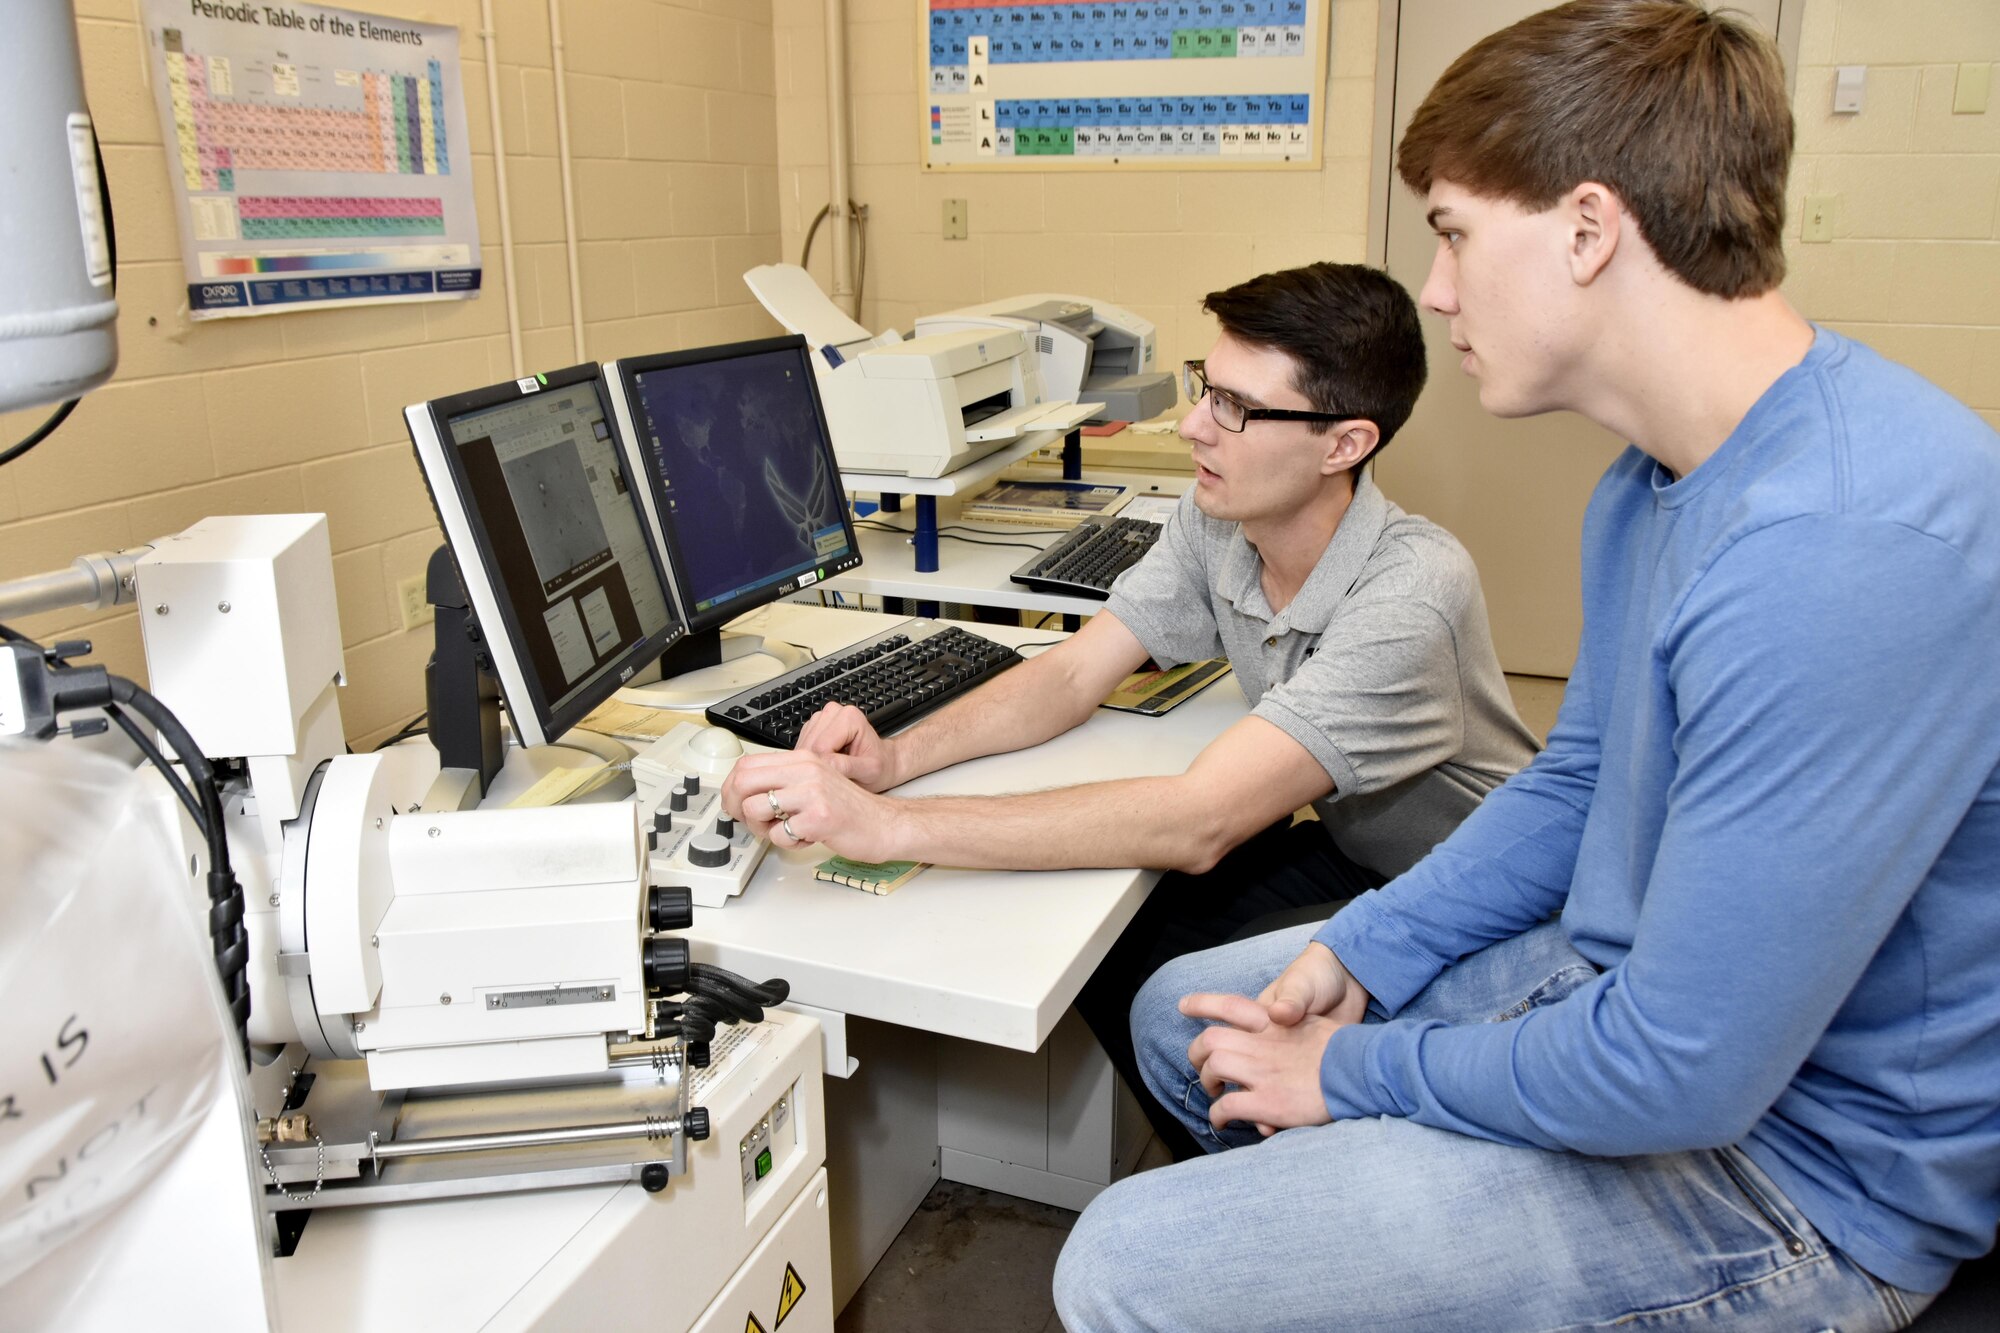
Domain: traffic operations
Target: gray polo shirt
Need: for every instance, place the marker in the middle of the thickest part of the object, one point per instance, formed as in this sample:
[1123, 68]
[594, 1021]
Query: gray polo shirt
[1382, 666]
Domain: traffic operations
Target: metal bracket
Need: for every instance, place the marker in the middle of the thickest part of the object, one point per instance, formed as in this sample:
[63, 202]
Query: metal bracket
[832, 1036]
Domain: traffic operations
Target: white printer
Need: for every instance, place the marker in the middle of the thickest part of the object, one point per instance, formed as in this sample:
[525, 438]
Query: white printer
[1086, 349]
[920, 407]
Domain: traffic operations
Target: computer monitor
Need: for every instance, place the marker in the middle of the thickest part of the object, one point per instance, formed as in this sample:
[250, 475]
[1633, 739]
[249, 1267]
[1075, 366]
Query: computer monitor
[741, 481]
[555, 553]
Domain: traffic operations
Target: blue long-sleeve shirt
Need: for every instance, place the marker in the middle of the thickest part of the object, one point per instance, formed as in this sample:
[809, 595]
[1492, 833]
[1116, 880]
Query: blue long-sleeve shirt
[1769, 812]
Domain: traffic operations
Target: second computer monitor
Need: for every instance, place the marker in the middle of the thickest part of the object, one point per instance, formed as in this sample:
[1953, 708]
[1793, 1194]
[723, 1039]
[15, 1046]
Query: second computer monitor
[741, 473]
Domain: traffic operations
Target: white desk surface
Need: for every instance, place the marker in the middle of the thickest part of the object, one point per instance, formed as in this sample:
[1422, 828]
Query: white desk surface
[991, 956]
[974, 574]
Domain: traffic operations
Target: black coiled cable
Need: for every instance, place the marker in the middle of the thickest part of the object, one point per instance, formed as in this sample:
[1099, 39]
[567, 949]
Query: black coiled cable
[75, 687]
[227, 938]
[717, 995]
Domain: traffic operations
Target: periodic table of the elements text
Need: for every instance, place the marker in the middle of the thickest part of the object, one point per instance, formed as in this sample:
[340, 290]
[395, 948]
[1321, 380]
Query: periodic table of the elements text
[317, 156]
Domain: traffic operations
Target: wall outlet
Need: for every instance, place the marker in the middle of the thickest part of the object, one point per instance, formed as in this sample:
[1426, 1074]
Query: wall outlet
[1818, 222]
[956, 212]
[416, 606]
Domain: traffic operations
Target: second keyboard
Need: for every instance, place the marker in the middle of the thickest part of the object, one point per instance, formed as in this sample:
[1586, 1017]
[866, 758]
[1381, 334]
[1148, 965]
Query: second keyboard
[1086, 560]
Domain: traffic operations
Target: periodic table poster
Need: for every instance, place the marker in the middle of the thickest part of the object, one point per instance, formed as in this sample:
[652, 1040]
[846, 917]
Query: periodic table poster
[1046, 85]
[318, 156]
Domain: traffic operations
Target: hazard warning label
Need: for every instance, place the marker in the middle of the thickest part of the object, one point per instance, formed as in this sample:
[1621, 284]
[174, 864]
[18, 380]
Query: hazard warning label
[794, 1288]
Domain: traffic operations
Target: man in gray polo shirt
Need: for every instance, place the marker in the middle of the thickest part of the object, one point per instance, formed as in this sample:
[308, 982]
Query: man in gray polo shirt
[1358, 634]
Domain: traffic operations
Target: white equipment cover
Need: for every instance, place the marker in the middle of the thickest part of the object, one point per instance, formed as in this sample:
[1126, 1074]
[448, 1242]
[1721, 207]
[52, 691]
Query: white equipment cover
[125, 1176]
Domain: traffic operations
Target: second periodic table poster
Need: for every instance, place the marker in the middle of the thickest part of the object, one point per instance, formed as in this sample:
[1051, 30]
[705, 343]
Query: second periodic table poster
[1060, 84]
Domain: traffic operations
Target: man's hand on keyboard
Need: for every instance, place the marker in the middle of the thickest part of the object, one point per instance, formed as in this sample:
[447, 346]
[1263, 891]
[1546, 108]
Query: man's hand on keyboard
[843, 733]
[793, 798]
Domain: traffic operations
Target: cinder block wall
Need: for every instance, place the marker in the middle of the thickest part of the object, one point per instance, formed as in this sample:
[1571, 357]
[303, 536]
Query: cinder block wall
[700, 140]
[1914, 265]
[673, 128]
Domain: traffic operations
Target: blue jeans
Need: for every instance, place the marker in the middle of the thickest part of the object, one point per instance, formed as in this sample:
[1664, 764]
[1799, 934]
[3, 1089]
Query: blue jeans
[1387, 1225]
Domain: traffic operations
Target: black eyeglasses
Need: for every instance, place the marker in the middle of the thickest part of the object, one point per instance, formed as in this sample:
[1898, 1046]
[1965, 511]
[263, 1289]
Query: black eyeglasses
[1234, 416]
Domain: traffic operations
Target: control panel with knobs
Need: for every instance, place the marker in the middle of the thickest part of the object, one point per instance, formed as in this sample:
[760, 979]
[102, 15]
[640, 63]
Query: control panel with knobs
[689, 839]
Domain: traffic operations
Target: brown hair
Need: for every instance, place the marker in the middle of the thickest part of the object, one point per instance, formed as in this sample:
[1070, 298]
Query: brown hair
[1351, 331]
[1681, 112]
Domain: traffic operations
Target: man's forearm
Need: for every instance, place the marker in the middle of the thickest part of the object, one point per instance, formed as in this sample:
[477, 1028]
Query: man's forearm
[1016, 709]
[1146, 822]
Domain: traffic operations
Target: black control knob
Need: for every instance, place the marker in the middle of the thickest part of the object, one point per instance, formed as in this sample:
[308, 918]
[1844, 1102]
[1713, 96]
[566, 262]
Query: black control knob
[708, 851]
[696, 1123]
[663, 820]
[698, 1055]
[725, 826]
[652, 840]
[670, 907]
[653, 1177]
[693, 783]
[666, 965]
[677, 799]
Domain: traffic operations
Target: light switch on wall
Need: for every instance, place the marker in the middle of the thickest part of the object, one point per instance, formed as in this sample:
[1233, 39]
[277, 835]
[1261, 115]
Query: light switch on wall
[1818, 222]
[1848, 83]
[1968, 98]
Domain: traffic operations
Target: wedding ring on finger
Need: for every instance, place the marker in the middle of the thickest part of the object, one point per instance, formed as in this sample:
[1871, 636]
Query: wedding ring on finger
[786, 825]
[777, 811]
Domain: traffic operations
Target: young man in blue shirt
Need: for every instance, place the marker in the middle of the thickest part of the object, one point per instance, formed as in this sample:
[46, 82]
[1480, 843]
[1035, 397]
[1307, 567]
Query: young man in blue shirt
[1694, 1021]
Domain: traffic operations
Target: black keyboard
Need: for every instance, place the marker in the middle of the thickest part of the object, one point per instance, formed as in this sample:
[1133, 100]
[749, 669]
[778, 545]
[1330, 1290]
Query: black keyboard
[895, 678]
[1085, 561]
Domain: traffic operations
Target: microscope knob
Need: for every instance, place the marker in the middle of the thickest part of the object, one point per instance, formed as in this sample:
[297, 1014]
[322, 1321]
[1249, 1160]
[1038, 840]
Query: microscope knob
[666, 965]
[670, 907]
[653, 1177]
[725, 827]
[708, 851]
[696, 1123]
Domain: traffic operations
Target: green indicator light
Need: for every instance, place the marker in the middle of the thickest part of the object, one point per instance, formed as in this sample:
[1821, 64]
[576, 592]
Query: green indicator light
[543, 378]
[763, 1163]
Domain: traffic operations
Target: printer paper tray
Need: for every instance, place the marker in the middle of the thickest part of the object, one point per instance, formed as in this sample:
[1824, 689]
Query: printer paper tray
[1041, 416]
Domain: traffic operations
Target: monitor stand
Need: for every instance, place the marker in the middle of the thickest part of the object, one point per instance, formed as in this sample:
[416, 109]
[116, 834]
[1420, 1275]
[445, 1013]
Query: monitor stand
[478, 755]
[706, 668]
[524, 767]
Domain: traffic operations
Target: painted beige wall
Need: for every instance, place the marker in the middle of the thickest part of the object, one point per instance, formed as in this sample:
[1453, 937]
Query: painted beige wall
[1914, 266]
[1153, 241]
[673, 123]
[700, 138]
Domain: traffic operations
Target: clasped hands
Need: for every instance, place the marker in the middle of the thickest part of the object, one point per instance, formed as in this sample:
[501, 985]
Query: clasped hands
[821, 791]
[1259, 1062]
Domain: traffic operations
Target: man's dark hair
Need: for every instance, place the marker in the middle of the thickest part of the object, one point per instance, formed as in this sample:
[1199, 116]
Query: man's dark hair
[1350, 330]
